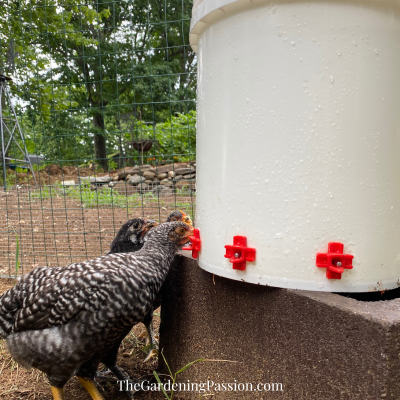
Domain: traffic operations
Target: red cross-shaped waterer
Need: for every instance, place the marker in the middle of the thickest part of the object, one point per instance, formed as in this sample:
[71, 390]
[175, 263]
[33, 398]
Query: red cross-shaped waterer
[334, 261]
[239, 253]
[195, 245]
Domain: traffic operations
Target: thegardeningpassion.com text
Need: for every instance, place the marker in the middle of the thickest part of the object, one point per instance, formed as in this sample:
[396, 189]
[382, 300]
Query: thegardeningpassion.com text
[201, 387]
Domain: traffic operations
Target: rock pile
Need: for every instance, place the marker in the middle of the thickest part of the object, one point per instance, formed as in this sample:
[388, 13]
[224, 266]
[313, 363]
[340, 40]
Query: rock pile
[161, 180]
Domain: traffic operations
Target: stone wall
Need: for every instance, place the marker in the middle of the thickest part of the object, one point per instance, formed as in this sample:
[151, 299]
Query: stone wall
[164, 179]
[161, 180]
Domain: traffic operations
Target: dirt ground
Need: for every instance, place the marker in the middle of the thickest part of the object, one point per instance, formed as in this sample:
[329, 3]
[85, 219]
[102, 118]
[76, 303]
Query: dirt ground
[59, 230]
[53, 174]
[18, 383]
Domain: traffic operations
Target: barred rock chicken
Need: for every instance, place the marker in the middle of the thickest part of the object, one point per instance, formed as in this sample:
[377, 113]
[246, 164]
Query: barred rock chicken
[130, 239]
[64, 321]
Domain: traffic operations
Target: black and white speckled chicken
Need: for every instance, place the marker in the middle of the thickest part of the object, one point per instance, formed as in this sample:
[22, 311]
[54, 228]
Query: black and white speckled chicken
[65, 320]
[130, 238]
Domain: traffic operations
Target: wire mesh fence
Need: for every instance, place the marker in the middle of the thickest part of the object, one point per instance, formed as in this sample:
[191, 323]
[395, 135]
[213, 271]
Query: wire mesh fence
[104, 92]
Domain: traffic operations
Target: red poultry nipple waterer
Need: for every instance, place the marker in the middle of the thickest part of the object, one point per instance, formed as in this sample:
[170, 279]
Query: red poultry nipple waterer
[239, 253]
[195, 245]
[334, 261]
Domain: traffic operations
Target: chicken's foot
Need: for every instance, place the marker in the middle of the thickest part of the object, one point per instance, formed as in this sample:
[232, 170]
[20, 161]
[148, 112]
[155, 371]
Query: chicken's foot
[91, 388]
[117, 371]
[105, 376]
[145, 334]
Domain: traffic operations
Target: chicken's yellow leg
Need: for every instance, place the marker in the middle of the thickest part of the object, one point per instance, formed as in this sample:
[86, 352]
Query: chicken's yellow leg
[91, 388]
[58, 394]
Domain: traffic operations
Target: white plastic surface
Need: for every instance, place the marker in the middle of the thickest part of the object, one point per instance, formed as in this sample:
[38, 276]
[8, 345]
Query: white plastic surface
[299, 139]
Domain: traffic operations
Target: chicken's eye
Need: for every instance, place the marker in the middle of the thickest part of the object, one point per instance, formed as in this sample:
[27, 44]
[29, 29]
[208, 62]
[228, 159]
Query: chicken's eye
[136, 225]
[181, 231]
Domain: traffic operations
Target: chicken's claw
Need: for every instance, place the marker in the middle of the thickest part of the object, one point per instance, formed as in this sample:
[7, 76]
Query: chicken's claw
[122, 376]
[152, 353]
[105, 376]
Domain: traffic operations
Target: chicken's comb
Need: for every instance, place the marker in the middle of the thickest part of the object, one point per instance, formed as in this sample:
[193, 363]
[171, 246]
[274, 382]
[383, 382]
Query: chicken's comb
[186, 219]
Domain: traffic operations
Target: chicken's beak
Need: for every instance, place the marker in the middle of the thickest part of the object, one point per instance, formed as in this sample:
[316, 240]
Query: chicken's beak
[149, 224]
[186, 219]
[186, 238]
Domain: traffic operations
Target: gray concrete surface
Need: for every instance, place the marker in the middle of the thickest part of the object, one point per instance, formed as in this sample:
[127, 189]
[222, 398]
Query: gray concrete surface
[318, 345]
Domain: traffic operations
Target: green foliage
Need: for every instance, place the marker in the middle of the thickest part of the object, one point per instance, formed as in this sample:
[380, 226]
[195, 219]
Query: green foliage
[82, 69]
[21, 169]
[11, 179]
[112, 165]
[177, 138]
[37, 167]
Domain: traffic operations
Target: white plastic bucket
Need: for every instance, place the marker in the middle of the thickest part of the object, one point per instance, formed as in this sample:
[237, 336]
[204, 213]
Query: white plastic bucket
[299, 139]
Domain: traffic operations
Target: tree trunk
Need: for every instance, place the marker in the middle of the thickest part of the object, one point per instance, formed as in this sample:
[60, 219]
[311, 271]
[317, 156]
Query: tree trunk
[100, 153]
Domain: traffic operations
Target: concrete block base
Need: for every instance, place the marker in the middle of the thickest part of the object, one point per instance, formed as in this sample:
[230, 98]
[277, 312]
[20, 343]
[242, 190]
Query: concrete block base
[318, 345]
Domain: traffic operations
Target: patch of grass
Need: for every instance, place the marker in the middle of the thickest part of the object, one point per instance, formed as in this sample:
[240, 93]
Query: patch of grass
[45, 192]
[102, 197]
[173, 376]
[11, 179]
[105, 196]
